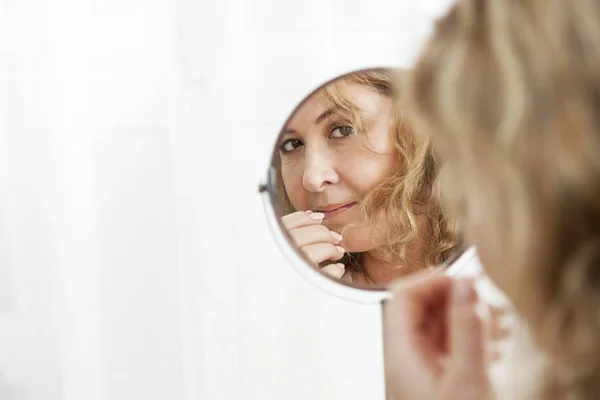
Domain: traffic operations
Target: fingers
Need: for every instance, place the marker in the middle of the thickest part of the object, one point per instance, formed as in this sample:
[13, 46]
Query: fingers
[434, 320]
[416, 316]
[313, 234]
[421, 287]
[314, 240]
[498, 329]
[465, 329]
[334, 270]
[415, 297]
[493, 356]
[300, 219]
[319, 252]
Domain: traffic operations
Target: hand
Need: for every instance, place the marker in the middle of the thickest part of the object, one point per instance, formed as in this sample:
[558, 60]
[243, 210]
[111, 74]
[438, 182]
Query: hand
[496, 332]
[315, 241]
[433, 340]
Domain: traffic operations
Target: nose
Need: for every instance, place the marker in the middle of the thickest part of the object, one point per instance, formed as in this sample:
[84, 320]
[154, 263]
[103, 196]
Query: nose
[319, 171]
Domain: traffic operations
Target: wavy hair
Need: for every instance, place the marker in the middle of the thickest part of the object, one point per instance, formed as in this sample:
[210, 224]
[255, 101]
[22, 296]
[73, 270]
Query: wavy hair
[509, 91]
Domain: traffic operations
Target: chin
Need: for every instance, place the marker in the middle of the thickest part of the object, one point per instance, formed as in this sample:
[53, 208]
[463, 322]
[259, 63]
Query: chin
[358, 240]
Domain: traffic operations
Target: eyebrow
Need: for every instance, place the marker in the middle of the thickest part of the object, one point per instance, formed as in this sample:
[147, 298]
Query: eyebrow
[325, 114]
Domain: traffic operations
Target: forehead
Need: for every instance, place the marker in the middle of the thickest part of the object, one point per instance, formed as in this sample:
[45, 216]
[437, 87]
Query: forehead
[365, 98]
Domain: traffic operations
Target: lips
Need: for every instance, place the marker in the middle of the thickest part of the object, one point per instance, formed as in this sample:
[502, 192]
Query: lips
[333, 210]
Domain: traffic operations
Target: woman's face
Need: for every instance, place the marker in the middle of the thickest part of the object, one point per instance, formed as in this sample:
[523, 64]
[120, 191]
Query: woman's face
[326, 168]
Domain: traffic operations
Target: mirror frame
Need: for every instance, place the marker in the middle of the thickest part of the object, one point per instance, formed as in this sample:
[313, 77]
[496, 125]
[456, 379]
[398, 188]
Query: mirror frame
[454, 266]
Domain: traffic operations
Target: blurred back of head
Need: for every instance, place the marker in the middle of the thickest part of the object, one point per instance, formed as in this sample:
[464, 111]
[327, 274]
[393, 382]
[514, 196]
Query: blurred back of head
[509, 91]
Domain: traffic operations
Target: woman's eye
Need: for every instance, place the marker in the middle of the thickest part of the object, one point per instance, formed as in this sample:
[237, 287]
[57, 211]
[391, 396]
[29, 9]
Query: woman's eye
[291, 145]
[342, 131]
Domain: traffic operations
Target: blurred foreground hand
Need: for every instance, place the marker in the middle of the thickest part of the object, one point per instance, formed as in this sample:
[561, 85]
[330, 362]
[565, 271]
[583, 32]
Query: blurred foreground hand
[433, 341]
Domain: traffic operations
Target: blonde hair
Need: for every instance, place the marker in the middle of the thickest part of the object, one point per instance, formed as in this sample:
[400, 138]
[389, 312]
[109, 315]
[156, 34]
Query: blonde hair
[509, 91]
[407, 188]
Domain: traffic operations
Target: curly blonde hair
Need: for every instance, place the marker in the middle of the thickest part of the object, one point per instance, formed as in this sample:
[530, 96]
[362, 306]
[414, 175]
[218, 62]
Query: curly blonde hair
[405, 191]
[510, 93]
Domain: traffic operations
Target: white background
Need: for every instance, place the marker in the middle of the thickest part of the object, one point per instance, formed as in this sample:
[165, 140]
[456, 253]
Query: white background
[135, 261]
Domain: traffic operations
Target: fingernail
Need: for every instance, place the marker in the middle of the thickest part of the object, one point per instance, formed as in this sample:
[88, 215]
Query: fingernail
[342, 266]
[336, 236]
[340, 249]
[463, 291]
[308, 211]
[317, 216]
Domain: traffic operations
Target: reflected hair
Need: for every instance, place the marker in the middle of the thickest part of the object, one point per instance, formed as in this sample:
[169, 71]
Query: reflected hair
[406, 190]
[509, 91]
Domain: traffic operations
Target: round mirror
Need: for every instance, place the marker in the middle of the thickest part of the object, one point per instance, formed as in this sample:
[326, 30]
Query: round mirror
[350, 192]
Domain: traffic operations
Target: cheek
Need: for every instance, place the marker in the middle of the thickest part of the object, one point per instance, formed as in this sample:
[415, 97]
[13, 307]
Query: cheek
[292, 181]
[360, 239]
[363, 169]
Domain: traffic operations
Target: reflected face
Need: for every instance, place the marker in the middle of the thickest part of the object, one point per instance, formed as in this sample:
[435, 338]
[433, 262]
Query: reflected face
[327, 166]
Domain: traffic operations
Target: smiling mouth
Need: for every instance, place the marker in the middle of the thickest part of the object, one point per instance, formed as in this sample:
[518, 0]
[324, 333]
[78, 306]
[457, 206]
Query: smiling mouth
[332, 212]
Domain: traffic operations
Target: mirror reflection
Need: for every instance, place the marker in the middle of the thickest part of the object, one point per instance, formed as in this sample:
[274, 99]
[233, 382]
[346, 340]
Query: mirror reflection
[355, 188]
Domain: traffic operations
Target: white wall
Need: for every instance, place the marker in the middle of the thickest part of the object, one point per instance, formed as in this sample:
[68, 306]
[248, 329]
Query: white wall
[135, 262]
